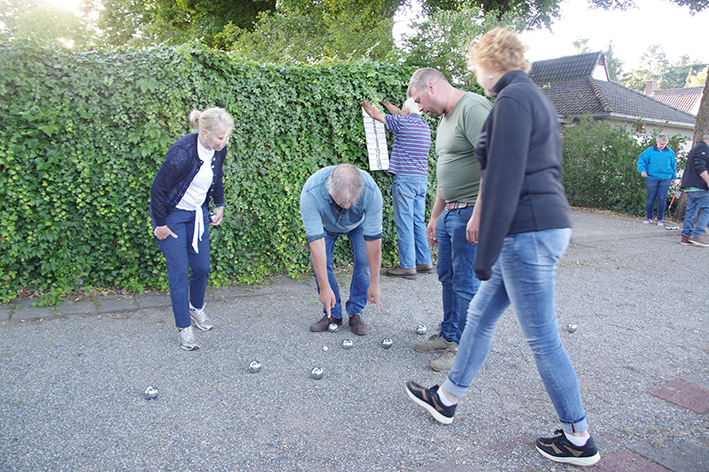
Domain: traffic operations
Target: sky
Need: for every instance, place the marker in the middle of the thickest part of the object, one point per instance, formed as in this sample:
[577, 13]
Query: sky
[632, 32]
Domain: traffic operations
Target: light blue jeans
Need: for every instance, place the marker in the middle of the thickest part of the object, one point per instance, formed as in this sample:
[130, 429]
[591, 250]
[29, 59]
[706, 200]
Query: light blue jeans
[409, 194]
[360, 275]
[187, 271]
[524, 277]
[455, 270]
[696, 200]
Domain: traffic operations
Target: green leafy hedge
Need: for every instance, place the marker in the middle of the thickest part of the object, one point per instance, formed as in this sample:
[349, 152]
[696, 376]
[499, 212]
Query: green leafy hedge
[83, 134]
[600, 166]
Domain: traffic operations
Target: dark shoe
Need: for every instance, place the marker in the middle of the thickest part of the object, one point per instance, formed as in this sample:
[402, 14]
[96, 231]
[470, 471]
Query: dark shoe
[429, 400]
[700, 240]
[322, 325]
[425, 268]
[560, 449]
[685, 241]
[401, 272]
[357, 325]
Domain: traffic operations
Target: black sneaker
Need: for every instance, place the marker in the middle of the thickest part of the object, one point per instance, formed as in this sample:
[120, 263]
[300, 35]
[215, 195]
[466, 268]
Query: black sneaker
[428, 399]
[560, 449]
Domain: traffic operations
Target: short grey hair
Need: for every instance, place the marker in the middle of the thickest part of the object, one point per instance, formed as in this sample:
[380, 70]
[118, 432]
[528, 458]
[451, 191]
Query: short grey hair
[423, 76]
[345, 184]
[662, 138]
[411, 105]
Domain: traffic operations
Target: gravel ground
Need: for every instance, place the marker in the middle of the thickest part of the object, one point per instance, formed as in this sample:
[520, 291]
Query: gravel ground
[72, 392]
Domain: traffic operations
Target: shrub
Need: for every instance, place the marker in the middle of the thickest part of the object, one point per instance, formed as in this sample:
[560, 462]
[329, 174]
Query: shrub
[82, 136]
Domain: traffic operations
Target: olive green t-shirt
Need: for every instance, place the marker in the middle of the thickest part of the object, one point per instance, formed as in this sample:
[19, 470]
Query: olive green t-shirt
[458, 169]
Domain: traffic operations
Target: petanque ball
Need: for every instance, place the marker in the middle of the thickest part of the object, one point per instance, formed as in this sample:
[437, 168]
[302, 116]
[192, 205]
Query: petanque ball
[421, 329]
[316, 373]
[151, 393]
[332, 327]
[571, 328]
[254, 367]
[387, 343]
[347, 344]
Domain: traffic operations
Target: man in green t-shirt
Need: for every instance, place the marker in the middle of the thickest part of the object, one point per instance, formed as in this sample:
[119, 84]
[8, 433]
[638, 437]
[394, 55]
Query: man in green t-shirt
[454, 219]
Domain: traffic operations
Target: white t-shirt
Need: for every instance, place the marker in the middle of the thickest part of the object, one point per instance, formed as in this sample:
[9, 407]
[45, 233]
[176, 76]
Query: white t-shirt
[197, 192]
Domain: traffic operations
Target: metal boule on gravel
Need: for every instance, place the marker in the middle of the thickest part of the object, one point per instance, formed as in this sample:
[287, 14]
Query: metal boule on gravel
[332, 327]
[316, 373]
[571, 327]
[347, 344]
[151, 393]
[387, 343]
[421, 329]
[254, 367]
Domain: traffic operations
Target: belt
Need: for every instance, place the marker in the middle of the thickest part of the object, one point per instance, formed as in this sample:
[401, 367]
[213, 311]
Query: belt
[456, 205]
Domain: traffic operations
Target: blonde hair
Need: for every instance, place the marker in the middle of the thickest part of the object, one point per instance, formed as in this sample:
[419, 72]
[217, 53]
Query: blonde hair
[499, 50]
[211, 119]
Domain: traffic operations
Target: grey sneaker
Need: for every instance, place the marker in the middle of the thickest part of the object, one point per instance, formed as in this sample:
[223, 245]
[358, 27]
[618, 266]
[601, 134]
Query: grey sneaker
[200, 318]
[443, 363]
[436, 343]
[187, 341]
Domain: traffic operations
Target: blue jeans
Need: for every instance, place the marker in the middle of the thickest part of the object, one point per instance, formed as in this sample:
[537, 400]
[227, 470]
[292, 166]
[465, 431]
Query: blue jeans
[180, 258]
[455, 270]
[524, 277]
[696, 200]
[409, 193]
[656, 190]
[360, 275]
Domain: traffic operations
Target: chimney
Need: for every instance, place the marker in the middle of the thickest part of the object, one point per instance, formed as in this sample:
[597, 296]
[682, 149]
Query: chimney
[650, 87]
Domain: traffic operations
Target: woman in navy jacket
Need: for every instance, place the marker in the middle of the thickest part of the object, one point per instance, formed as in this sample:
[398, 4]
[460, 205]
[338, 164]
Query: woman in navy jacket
[190, 176]
[522, 227]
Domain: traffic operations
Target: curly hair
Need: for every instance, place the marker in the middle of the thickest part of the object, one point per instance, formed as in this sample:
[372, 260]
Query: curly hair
[500, 50]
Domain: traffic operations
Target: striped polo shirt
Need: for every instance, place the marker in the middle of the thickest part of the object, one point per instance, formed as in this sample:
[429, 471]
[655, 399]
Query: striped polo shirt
[412, 143]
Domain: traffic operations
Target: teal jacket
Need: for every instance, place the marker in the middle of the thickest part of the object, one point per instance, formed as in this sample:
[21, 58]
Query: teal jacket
[659, 165]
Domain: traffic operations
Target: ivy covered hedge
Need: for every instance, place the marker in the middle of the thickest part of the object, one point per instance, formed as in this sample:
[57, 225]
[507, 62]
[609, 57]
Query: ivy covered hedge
[83, 134]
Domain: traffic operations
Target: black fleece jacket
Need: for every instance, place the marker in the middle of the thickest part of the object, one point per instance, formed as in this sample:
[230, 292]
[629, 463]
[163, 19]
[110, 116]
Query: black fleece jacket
[519, 150]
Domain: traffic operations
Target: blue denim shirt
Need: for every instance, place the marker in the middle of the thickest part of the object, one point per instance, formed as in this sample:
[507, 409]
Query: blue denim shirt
[321, 214]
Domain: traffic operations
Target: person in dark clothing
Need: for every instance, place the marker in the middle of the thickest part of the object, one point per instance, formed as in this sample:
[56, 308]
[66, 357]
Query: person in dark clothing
[524, 229]
[695, 182]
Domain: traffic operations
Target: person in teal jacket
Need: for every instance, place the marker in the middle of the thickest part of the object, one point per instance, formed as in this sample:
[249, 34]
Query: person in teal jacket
[658, 167]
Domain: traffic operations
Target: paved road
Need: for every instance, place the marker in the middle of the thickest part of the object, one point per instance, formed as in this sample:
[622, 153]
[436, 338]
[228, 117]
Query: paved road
[73, 376]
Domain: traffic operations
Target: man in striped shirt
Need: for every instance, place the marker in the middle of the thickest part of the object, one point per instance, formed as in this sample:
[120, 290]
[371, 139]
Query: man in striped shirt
[409, 164]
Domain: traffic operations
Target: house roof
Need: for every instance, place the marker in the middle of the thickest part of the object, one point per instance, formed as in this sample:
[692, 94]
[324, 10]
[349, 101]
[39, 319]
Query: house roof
[570, 85]
[567, 68]
[686, 99]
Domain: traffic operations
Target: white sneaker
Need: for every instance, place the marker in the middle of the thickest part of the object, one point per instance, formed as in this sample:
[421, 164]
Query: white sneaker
[187, 341]
[200, 318]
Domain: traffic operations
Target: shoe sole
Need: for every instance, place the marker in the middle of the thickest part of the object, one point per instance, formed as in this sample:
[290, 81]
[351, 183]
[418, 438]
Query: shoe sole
[698, 244]
[439, 369]
[187, 348]
[438, 417]
[427, 271]
[434, 350]
[402, 276]
[580, 461]
[199, 326]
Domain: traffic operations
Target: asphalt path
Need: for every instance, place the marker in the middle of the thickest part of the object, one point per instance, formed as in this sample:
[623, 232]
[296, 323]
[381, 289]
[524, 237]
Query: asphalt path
[73, 376]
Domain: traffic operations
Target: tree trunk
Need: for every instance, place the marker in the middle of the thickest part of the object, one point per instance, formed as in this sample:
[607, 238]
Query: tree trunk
[702, 125]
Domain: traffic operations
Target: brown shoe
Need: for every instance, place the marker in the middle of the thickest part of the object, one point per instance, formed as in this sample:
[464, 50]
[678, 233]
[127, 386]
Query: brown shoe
[322, 325]
[357, 325]
[401, 272]
[685, 241]
[425, 268]
[700, 240]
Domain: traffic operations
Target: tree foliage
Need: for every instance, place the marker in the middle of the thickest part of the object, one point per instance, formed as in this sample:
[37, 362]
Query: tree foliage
[45, 22]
